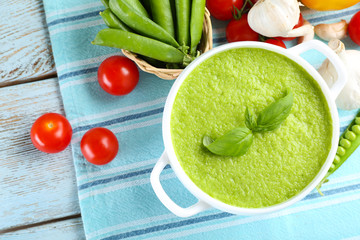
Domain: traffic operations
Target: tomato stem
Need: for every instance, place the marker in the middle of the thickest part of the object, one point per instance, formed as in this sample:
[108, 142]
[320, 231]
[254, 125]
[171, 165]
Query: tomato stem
[263, 38]
[237, 13]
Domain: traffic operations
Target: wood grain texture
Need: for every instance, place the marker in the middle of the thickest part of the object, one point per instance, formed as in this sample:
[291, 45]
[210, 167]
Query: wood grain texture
[25, 50]
[34, 186]
[65, 230]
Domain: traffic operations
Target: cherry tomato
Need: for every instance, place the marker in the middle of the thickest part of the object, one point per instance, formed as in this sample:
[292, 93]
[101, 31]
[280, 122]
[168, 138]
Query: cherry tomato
[354, 28]
[51, 133]
[276, 42]
[239, 30]
[223, 9]
[118, 75]
[99, 146]
[299, 24]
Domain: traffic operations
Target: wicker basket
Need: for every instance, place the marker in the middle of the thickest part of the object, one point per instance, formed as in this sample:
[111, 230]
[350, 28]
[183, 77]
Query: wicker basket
[206, 44]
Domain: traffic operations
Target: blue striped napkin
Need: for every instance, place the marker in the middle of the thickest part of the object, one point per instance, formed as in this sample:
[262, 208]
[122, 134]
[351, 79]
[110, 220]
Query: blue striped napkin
[117, 201]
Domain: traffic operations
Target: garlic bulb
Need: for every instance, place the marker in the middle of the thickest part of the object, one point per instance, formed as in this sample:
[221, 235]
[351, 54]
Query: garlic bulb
[349, 97]
[273, 18]
[308, 35]
[332, 30]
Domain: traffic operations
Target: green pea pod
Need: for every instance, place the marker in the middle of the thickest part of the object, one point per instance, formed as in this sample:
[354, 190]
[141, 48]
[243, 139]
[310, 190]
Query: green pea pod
[147, 5]
[173, 13]
[142, 25]
[196, 23]
[154, 62]
[134, 3]
[112, 21]
[139, 44]
[137, 6]
[105, 3]
[161, 13]
[348, 143]
[183, 21]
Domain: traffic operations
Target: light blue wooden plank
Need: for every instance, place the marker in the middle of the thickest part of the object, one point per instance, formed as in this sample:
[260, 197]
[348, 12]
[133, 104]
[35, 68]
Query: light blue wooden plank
[64, 230]
[34, 186]
[25, 50]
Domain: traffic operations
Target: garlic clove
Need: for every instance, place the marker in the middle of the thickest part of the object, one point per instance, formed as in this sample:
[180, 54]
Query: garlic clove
[338, 47]
[349, 97]
[300, 31]
[273, 18]
[332, 31]
[308, 34]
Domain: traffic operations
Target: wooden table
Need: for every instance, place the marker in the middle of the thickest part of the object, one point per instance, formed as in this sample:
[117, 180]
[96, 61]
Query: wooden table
[38, 197]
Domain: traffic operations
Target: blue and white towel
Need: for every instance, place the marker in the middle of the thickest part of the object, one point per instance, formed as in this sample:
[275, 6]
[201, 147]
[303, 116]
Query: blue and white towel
[117, 201]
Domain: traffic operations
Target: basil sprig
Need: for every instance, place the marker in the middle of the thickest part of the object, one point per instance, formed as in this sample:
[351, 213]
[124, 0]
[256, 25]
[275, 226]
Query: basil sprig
[250, 119]
[237, 141]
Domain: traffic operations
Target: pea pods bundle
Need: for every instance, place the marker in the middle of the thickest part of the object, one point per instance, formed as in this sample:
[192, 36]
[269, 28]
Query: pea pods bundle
[165, 31]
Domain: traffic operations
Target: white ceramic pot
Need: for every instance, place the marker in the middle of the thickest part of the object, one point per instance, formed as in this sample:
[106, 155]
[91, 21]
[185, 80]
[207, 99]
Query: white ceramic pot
[169, 157]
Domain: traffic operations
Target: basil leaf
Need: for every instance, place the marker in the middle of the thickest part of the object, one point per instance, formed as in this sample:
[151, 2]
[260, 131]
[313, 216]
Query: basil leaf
[250, 120]
[234, 143]
[272, 116]
[207, 140]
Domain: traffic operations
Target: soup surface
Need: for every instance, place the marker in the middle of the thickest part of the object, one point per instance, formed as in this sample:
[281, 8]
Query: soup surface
[279, 164]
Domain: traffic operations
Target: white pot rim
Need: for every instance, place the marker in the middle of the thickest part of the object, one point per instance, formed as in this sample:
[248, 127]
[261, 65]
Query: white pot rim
[292, 54]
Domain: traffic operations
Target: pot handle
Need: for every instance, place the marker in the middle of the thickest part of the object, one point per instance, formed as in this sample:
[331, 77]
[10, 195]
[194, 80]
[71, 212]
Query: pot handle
[333, 58]
[165, 199]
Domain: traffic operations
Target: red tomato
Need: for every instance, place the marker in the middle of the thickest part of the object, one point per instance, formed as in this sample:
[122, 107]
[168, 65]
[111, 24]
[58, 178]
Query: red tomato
[239, 30]
[299, 24]
[276, 42]
[51, 133]
[354, 28]
[223, 9]
[99, 146]
[118, 75]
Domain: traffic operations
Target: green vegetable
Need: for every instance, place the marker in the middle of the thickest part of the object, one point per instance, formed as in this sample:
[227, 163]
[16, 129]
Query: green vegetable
[173, 13]
[234, 143]
[357, 120]
[105, 3]
[196, 24]
[161, 12]
[143, 25]
[112, 21]
[147, 6]
[340, 151]
[183, 21]
[154, 62]
[349, 142]
[139, 44]
[356, 129]
[345, 143]
[350, 135]
[161, 20]
[237, 141]
[137, 6]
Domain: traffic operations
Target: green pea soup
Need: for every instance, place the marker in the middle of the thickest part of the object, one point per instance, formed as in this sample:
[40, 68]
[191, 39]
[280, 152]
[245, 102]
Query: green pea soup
[212, 101]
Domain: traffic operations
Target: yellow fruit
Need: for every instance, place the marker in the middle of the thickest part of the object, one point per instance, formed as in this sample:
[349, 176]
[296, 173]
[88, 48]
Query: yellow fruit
[327, 5]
